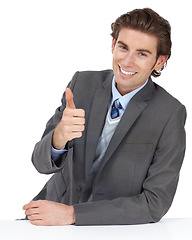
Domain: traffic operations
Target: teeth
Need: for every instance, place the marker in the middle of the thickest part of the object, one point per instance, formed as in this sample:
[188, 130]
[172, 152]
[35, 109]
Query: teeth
[127, 73]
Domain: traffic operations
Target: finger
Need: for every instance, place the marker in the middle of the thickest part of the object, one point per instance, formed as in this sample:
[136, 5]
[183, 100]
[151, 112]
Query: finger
[77, 134]
[37, 222]
[41, 222]
[78, 121]
[69, 98]
[35, 219]
[74, 113]
[31, 211]
[31, 204]
[24, 207]
[73, 135]
[78, 128]
[27, 206]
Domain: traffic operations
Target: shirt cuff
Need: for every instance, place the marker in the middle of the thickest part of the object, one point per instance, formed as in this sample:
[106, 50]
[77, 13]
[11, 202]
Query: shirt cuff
[55, 153]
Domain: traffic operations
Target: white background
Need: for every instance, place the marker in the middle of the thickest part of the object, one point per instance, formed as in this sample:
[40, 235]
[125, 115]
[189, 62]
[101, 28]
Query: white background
[42, 44]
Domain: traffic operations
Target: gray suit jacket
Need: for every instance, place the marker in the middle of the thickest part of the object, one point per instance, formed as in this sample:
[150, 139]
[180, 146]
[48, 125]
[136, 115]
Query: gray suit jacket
[139, 174]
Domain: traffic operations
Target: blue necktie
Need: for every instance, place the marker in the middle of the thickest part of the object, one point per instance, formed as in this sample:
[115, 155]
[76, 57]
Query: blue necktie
[115, 109]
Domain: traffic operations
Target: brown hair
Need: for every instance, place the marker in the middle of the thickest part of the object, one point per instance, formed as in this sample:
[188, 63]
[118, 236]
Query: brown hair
[148, 21]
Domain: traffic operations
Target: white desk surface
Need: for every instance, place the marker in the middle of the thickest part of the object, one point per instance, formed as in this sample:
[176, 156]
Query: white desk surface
[166, 229]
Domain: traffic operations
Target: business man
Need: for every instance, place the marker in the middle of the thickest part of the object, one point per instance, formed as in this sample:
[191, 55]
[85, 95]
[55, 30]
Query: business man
[117, 142]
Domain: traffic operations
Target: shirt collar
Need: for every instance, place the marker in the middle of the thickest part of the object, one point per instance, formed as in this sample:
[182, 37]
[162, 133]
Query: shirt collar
[124, 100]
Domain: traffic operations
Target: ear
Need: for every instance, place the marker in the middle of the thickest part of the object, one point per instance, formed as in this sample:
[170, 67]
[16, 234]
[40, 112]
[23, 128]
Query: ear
[160, 62]
[113, 44]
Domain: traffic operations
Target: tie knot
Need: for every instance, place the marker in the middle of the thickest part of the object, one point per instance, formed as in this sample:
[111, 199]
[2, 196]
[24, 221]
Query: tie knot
[115, 109]
[117, 104]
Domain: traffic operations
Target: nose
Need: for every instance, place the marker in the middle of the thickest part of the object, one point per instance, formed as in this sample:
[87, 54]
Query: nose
[128, 60]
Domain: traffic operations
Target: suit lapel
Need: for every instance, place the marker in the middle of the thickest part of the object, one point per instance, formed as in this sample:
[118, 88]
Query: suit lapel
[135, 107]
[96, 120]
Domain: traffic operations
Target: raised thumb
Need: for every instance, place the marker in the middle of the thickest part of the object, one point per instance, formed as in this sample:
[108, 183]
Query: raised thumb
[69, 98]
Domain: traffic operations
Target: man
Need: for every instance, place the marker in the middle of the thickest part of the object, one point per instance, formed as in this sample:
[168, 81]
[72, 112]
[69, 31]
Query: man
[117, 142]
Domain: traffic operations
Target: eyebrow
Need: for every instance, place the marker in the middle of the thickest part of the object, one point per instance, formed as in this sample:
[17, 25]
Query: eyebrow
[139, 50]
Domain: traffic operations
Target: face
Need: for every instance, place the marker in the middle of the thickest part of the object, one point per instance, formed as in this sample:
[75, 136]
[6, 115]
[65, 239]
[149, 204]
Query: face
[134, 59]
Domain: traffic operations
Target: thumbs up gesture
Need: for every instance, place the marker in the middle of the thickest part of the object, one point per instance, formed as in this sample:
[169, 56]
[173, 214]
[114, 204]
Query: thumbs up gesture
[71, 125]
[69, 99]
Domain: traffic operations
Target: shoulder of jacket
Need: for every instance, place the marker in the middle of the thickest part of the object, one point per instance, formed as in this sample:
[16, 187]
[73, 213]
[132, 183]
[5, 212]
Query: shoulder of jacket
[94, 73]
[166, 97]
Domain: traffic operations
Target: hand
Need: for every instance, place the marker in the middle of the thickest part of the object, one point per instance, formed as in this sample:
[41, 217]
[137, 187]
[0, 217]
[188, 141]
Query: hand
[71, 125]
[49, 213]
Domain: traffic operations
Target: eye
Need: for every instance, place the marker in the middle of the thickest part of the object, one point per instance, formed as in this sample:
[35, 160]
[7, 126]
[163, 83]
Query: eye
[142, 54]
[122, 48]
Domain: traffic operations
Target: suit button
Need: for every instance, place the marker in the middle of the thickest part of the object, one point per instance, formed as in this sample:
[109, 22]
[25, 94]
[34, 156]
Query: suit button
[78, 188]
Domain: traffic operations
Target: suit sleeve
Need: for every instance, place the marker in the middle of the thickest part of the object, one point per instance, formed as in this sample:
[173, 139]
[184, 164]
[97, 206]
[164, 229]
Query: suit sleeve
[159, 186]
[41, 157]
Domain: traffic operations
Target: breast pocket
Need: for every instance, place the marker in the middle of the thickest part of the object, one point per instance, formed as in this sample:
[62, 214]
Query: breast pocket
[138, 147]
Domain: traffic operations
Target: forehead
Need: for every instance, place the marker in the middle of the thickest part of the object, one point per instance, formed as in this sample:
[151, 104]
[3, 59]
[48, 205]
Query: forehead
[137, 39]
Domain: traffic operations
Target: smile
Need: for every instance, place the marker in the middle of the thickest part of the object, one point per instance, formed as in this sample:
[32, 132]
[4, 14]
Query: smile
[127, 73]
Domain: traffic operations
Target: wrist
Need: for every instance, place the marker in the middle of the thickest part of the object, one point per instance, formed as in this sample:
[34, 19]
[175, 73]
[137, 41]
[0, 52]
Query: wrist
[58, 141]
[73, 215]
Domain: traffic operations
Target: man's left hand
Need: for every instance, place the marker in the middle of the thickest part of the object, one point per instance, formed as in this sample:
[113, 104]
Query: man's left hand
[47, 213]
